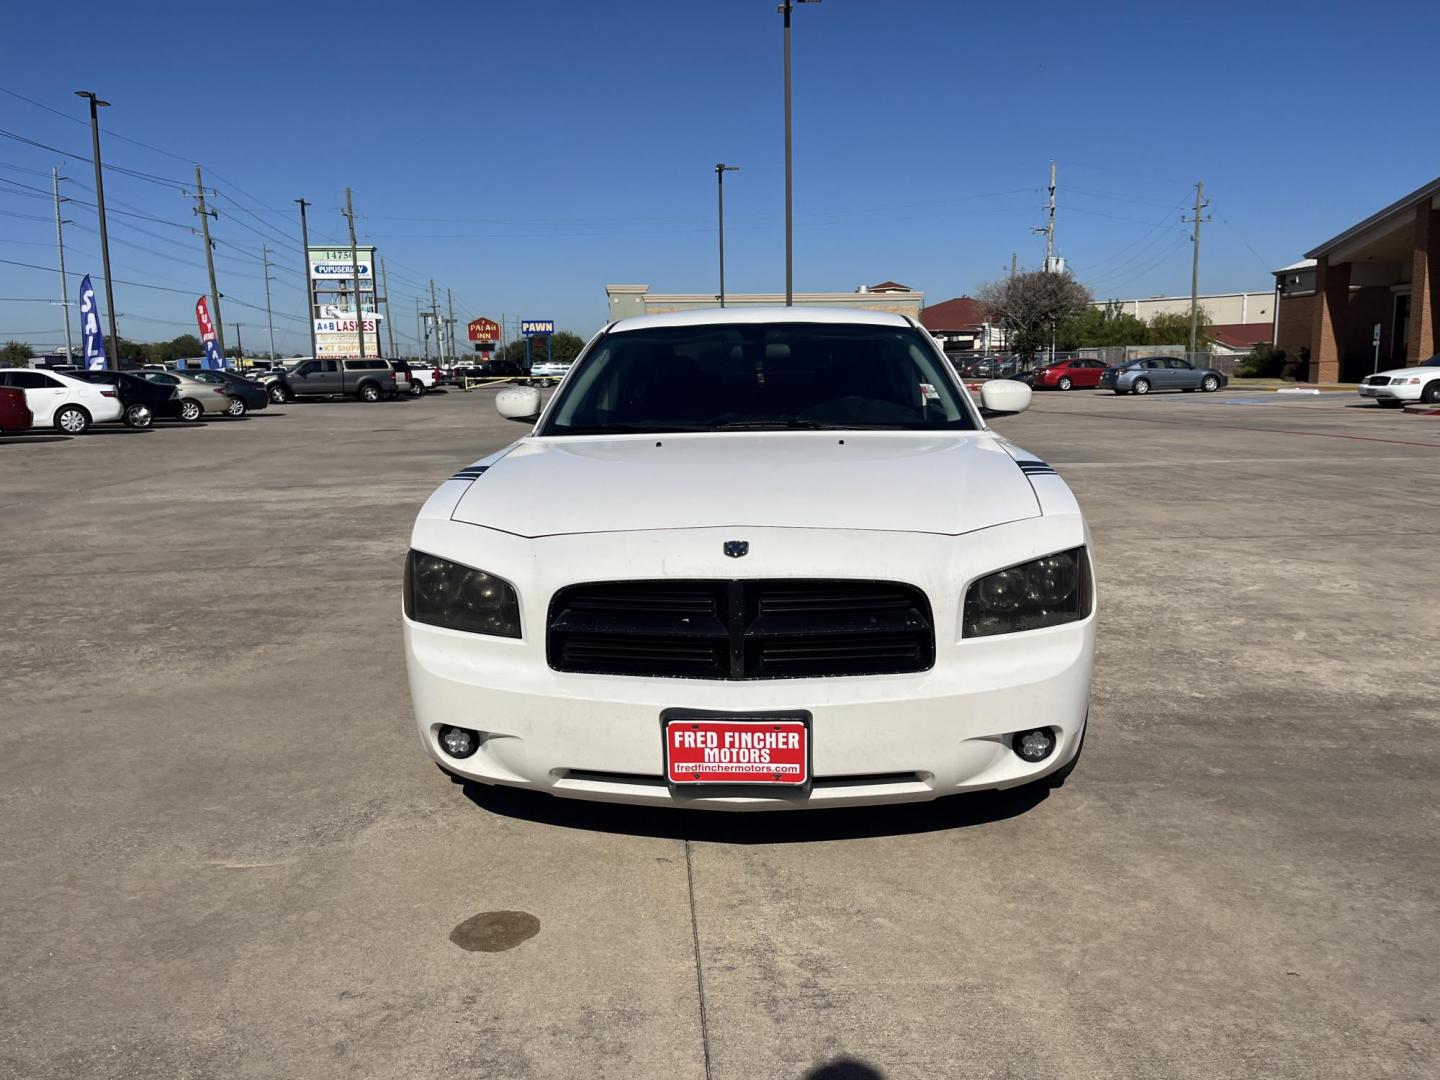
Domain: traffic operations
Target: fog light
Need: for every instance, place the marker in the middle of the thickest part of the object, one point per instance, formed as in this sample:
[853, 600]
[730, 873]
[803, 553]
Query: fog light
[1034, 745]
[458, 742]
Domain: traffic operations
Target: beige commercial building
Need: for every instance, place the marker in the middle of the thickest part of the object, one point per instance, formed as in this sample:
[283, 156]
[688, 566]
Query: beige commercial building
[1222, 308]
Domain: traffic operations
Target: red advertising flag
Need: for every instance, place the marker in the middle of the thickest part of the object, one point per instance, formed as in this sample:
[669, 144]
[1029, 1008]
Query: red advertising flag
[207, 334]
[202, 316]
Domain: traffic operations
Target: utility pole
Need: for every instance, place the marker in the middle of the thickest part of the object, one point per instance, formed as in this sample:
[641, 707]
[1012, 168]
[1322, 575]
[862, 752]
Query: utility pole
[450, 304]
[355, 272]
[309, 290]
[1049, 227]
[205, 216]
[435, 322]
[1200, 204]
[720, 171]
[239, 345]
[269, 318]
[390, 326]
[95, 104]
[1014, 263]
[60, 246]
[422, 328]
[786, 6]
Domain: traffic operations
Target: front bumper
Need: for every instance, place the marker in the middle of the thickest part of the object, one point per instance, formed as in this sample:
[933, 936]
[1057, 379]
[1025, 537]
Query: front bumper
[875, 739]
[1402, 392]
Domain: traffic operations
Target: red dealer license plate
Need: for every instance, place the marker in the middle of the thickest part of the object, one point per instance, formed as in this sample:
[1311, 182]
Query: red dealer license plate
[772, 752]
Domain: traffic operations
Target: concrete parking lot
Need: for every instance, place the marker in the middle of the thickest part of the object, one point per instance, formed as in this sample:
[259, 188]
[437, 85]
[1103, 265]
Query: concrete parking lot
[224, 854]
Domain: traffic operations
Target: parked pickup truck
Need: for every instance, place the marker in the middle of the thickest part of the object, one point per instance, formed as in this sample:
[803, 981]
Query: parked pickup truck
[368, 380]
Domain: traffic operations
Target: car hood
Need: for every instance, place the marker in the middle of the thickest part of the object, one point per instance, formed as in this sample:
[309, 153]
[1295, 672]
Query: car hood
[893, 481]
[1406, 372]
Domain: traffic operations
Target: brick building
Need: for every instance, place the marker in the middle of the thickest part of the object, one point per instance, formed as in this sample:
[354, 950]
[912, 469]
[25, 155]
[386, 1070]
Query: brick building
[1383, 272]
[962, 325]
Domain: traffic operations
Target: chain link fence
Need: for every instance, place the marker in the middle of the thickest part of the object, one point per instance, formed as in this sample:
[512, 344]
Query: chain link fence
[1119, 354]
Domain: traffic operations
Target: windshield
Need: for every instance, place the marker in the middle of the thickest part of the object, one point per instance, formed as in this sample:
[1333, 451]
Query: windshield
[756, 377]
[1434, 361]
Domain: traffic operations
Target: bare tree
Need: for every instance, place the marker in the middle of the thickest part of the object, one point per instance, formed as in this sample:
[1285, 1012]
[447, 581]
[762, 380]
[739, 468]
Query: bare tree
[1028, 305]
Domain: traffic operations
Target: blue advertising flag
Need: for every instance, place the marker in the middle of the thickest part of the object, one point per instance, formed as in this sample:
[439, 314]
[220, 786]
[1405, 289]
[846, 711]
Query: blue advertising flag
[93, 339]
[213, 359]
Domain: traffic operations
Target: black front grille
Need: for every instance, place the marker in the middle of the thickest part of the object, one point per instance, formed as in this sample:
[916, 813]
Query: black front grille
[1378, 380]
[778, 629]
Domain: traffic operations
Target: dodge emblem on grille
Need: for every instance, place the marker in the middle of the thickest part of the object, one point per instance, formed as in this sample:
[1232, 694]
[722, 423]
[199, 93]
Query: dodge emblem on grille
[736, 548]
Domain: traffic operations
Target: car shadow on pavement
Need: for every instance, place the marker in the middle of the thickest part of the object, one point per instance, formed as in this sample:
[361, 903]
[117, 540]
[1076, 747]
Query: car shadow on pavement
[15, 438]
[845, 1068]
[760, 826]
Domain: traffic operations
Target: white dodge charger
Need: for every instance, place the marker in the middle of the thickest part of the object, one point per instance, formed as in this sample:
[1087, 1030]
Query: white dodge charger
[754, 558]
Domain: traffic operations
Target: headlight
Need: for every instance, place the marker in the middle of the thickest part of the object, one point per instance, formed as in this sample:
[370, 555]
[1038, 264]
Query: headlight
[1046, 592]
[443, 593]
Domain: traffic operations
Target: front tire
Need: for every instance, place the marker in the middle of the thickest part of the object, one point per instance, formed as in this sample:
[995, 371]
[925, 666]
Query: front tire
[1210, 384]
[1142, 386]
[1065, 383]
[278, 395]
[1430, 392]
[370, 392]
[72, 420]
[191, 410]
[139, 417]
[237, 408]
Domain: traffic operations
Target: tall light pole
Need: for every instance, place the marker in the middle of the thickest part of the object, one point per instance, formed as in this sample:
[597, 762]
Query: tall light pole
[720, 171]
[309, 285]
[785, 8]
[95, 106]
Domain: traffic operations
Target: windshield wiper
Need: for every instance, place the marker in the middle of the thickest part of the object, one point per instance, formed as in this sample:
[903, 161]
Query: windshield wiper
[621, 429]
[771, 425]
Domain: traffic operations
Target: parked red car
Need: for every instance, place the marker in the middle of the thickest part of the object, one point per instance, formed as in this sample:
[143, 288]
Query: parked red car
[14, 413]
[1069, 375]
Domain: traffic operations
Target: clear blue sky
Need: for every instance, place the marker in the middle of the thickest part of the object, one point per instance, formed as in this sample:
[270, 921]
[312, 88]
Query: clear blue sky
[525, 154]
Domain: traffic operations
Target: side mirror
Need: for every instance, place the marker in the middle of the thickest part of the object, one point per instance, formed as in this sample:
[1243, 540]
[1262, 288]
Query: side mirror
[1004, 396]
[520, 403]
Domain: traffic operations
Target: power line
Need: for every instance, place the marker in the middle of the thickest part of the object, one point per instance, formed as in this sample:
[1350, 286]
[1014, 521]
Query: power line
[135, 173]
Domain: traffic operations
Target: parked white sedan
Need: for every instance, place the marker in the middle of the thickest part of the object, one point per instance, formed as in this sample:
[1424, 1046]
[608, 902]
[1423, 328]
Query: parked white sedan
[780, 561]
[1399, 385]
[69, 405]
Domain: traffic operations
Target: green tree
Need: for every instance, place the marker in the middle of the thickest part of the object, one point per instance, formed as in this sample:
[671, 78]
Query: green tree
[564, 346]
[15, 354]
[1031, 304]
[1174, 329]
[1095, 327]
[162, 352]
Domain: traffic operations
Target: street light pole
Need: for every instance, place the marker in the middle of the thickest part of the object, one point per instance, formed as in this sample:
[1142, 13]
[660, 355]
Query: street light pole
[309, 285]
[720, 171]
[785, 8]
[95, 105]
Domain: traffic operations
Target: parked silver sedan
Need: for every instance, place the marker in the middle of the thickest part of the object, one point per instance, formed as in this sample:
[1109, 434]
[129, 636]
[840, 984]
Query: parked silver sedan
[1160, 373]
[196, 398]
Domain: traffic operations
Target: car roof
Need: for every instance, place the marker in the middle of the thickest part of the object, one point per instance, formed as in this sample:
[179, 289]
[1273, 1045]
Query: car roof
[763, 314]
